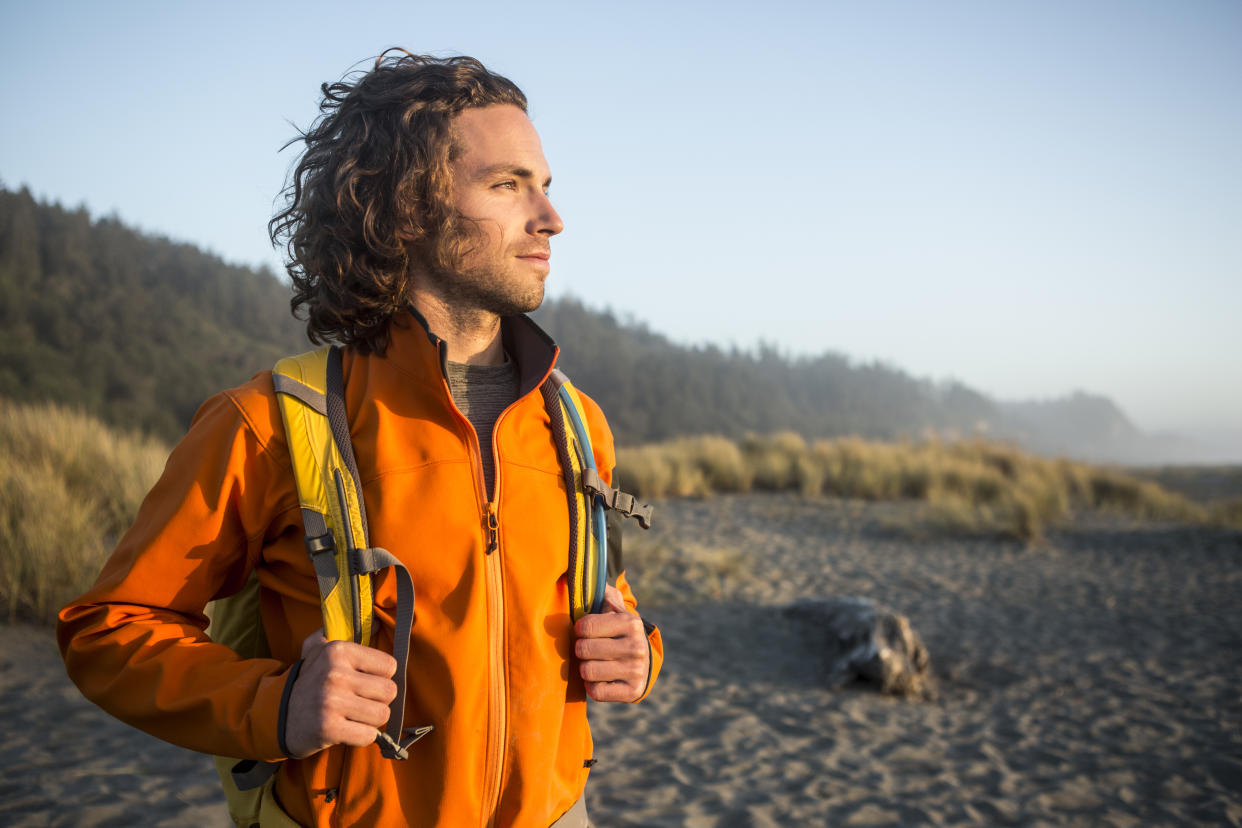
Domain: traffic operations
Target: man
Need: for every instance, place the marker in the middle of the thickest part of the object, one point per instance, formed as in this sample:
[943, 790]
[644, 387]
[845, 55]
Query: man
[418, 227]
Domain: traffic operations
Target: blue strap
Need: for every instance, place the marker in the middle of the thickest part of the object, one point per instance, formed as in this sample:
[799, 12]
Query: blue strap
[598, 520]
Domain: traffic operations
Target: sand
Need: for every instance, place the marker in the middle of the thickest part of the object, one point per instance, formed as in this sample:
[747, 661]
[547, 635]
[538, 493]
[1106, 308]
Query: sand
[64, 762]
[1094, 679]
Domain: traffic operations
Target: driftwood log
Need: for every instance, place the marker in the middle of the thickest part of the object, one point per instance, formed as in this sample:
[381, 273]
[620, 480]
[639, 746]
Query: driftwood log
[869, 643]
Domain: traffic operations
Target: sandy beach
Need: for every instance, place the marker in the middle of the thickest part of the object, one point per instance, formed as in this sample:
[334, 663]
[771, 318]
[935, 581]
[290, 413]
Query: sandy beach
[1092, 679]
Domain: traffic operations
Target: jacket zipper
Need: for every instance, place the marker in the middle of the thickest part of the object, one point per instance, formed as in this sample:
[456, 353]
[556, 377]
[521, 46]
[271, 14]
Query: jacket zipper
[497, 697]
[497, 723]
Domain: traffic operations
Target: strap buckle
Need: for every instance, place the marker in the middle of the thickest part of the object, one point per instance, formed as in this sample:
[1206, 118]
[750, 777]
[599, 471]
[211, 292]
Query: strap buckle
[390, 748]
[320, 544]
[617, 500]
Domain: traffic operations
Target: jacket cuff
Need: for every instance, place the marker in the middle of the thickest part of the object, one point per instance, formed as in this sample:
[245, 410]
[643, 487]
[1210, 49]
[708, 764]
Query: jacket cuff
[655, 654]
[283, 716]
[267, 716]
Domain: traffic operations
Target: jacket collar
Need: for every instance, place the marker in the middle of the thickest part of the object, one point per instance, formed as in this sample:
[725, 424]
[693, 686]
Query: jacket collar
[417, 349]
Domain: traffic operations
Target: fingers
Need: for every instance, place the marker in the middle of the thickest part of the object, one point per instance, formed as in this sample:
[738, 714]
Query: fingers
[611, 648]
[341, 677]
[614, 601]
[341, 695]
[627, 671]
[368, 659]
[339, 706]
[347, 654]
[610, 691]
[608, 625]
[612, 651]
[354, 735]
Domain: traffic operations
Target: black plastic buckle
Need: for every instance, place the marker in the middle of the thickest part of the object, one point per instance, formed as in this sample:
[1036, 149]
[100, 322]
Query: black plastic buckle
[321, 544]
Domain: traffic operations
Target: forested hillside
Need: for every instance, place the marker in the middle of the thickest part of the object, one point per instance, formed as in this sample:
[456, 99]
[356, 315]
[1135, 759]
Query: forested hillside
[133, 328]
[654, 389]
[139, 330]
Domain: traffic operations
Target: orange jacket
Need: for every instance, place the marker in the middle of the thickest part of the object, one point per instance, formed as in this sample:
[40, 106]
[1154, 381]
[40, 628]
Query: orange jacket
[490, 663]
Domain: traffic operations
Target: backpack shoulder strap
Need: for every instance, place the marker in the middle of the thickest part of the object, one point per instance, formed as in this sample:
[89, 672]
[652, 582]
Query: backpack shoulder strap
[310, 388]
[328, 489]
[587, 494]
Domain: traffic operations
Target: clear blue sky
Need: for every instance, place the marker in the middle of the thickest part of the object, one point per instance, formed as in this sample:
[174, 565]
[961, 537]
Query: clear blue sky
[1031, 197]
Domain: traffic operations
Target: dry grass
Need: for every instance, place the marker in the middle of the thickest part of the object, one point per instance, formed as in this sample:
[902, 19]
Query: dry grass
[1227, 512]
[687, 467]
[969, 486]
[71, 486]
[687, 573]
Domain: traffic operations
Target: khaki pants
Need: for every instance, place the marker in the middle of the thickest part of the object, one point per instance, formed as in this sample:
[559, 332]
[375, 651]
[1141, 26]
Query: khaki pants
[575, 817]
[273, 816]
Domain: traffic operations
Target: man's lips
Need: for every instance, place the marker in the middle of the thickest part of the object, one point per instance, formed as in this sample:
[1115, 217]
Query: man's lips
[538, 259]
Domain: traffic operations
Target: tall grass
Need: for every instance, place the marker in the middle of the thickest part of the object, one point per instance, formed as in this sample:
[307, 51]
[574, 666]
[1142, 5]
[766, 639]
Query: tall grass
[972, 486]
[687, 572]
[69, 486]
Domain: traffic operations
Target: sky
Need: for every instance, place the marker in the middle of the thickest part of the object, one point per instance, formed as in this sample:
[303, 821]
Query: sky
[1030, 197]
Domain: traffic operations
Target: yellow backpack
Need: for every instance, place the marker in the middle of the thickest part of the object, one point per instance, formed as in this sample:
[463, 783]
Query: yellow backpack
[310, 391]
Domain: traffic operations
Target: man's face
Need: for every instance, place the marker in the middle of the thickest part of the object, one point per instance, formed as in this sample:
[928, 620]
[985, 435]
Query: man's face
[500, 183]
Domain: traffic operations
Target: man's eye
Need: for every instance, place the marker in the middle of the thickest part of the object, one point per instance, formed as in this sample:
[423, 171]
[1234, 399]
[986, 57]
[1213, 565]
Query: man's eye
[507, 185]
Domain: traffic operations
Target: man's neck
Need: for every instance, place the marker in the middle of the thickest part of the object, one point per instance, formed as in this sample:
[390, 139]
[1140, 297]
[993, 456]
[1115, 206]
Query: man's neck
[470, 336]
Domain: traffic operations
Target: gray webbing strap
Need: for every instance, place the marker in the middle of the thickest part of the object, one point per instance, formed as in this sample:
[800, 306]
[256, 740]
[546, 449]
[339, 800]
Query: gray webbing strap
[314, 522]
[322, 551]
[338, 420]
[363, 562]
[617, 500]
[308, 395]
[249, 774]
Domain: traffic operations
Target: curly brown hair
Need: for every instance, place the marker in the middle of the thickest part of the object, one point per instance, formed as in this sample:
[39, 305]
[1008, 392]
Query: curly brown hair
[371, 191]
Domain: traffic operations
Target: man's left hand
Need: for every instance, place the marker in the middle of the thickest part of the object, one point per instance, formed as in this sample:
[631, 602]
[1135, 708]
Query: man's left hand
[613, 657]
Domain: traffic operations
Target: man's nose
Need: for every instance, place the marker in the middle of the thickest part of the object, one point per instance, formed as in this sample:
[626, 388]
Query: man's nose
[547, 221]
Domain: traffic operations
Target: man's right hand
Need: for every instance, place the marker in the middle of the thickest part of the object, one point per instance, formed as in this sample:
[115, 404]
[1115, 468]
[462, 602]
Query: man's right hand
[340, 697]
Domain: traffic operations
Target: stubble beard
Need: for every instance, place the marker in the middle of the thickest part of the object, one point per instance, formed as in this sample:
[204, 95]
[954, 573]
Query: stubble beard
[487, 287]
[490, 290]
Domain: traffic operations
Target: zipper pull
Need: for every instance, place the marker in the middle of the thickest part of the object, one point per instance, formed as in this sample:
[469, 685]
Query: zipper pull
[493, 530]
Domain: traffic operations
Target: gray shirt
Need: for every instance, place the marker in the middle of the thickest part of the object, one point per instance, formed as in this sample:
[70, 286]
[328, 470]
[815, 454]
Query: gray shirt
[481, 392]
